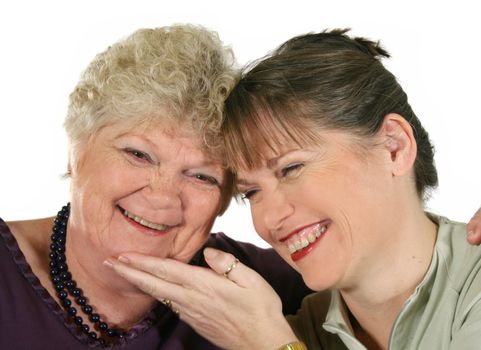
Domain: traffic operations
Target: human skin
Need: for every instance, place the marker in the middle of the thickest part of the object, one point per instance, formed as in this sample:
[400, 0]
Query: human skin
[159, 173]
[282, 202]
[474, 229]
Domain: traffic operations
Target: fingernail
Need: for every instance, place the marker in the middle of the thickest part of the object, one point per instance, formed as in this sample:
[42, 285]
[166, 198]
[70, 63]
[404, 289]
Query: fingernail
[123, 259]
[108, 263]
[210, 253]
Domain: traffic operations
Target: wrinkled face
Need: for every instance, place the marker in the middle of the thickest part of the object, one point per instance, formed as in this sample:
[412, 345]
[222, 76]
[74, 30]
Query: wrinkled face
[149, 189]
[321, 207]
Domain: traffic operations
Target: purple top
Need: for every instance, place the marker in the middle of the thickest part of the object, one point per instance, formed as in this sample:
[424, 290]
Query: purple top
[31, 319]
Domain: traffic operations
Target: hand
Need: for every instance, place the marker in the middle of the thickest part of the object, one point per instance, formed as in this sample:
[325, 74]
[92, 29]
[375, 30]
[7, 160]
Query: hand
[241, 311]
[474, 228]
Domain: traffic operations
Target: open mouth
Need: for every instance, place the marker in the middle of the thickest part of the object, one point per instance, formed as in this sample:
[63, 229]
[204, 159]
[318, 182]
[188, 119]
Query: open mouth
[300, 243]
[143, 222]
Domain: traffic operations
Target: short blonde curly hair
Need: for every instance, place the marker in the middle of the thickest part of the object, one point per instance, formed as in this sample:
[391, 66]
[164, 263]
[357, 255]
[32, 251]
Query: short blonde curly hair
[181, 72]
[182, 69]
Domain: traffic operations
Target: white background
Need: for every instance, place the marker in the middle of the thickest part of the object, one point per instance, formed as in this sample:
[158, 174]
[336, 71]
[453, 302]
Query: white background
[46, 44]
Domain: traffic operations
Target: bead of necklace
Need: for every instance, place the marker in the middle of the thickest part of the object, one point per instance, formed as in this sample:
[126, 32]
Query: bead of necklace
[67, 288]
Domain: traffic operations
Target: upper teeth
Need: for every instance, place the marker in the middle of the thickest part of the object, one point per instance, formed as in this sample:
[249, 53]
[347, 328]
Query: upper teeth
[298, 243]
[146, 223]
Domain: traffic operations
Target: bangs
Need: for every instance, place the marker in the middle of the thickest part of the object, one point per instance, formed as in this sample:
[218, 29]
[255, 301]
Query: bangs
[254, 126]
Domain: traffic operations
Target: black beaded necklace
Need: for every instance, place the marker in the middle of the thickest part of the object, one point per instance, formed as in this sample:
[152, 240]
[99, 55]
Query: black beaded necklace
[65, 285]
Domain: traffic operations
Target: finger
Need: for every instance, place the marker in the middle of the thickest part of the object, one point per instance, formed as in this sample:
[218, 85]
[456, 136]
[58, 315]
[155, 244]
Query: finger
[166, 269]
[171, 305]
[146, 282]
[227, 265]
[474, 236]
[176, 297]
[474, 228]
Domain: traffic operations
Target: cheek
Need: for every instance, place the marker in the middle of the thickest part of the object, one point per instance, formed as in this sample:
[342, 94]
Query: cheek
[110, 178]
[258, 222]
[201, 206]
[200, 210]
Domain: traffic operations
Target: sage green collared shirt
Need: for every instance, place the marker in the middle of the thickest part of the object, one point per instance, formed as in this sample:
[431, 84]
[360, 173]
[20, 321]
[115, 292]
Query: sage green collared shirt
[444, 312]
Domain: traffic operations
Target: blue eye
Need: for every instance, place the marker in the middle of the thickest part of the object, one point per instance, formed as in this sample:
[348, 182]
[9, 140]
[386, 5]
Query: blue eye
[291, 168]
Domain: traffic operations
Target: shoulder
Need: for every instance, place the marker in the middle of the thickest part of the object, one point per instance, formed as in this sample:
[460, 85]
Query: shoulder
[461, 263]
[31, 232]
[460, 260]
[308, 322]
[314, 309]
[32, 238]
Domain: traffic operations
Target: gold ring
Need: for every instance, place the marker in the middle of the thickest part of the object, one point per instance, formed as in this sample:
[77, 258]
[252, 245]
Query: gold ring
[168, 303]
[231, 267]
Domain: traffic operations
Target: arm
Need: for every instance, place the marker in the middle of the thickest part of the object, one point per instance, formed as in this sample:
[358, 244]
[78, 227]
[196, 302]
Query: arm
[474, 228]
[240, 312]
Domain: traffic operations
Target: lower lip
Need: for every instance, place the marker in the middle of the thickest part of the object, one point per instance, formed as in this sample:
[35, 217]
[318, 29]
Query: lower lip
[298, 255]
[144, 229]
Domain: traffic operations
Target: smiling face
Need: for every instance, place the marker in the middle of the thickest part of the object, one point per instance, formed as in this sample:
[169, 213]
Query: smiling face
[323, 207]
[149, 189]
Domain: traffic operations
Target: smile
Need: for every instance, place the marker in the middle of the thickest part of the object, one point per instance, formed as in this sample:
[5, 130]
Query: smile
[302, 241]
[305, 238]
[143, 222]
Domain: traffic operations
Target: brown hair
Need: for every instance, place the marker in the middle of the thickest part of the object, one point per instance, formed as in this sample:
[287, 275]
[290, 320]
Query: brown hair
[325, 79]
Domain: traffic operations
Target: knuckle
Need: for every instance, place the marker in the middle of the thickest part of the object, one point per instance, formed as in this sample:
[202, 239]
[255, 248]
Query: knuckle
[149, 288]
[199, 281]
[160, 271]
[146, 287]
[227, 260]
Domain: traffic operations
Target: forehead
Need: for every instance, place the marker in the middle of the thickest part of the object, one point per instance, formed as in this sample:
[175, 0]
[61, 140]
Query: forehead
[162, 133]
[262, 134]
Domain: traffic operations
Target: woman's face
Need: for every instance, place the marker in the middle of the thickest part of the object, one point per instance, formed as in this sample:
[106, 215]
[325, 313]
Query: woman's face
[322, 207]
[146, 188]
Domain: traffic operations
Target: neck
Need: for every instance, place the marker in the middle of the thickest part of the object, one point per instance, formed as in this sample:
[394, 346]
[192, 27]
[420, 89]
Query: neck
[120, 303]
[378, 296]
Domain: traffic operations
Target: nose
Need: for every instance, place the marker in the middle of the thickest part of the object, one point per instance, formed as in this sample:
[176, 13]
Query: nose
[163, 191]
[276, 208]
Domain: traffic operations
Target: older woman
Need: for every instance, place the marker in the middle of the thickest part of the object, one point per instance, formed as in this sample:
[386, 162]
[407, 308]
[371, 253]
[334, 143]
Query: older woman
[147, 175]
[335, 165]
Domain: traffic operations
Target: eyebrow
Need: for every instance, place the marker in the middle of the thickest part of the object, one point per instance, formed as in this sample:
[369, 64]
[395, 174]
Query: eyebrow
[210, 160]
[242, 182]
[271, 163]
[136, 135]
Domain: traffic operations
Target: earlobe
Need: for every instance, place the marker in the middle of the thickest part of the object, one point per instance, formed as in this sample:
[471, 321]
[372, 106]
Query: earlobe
[399, 141]
[68, 174]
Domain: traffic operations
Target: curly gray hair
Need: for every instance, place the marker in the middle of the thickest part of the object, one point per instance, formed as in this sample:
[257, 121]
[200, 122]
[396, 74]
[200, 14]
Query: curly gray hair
[180, 72]
[182, 69]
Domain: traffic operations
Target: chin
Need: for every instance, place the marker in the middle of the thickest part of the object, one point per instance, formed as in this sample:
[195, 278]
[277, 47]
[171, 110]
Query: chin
[317, 283]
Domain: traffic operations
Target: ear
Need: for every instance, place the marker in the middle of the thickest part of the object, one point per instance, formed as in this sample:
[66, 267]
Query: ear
[398, 139]
[69, 164]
